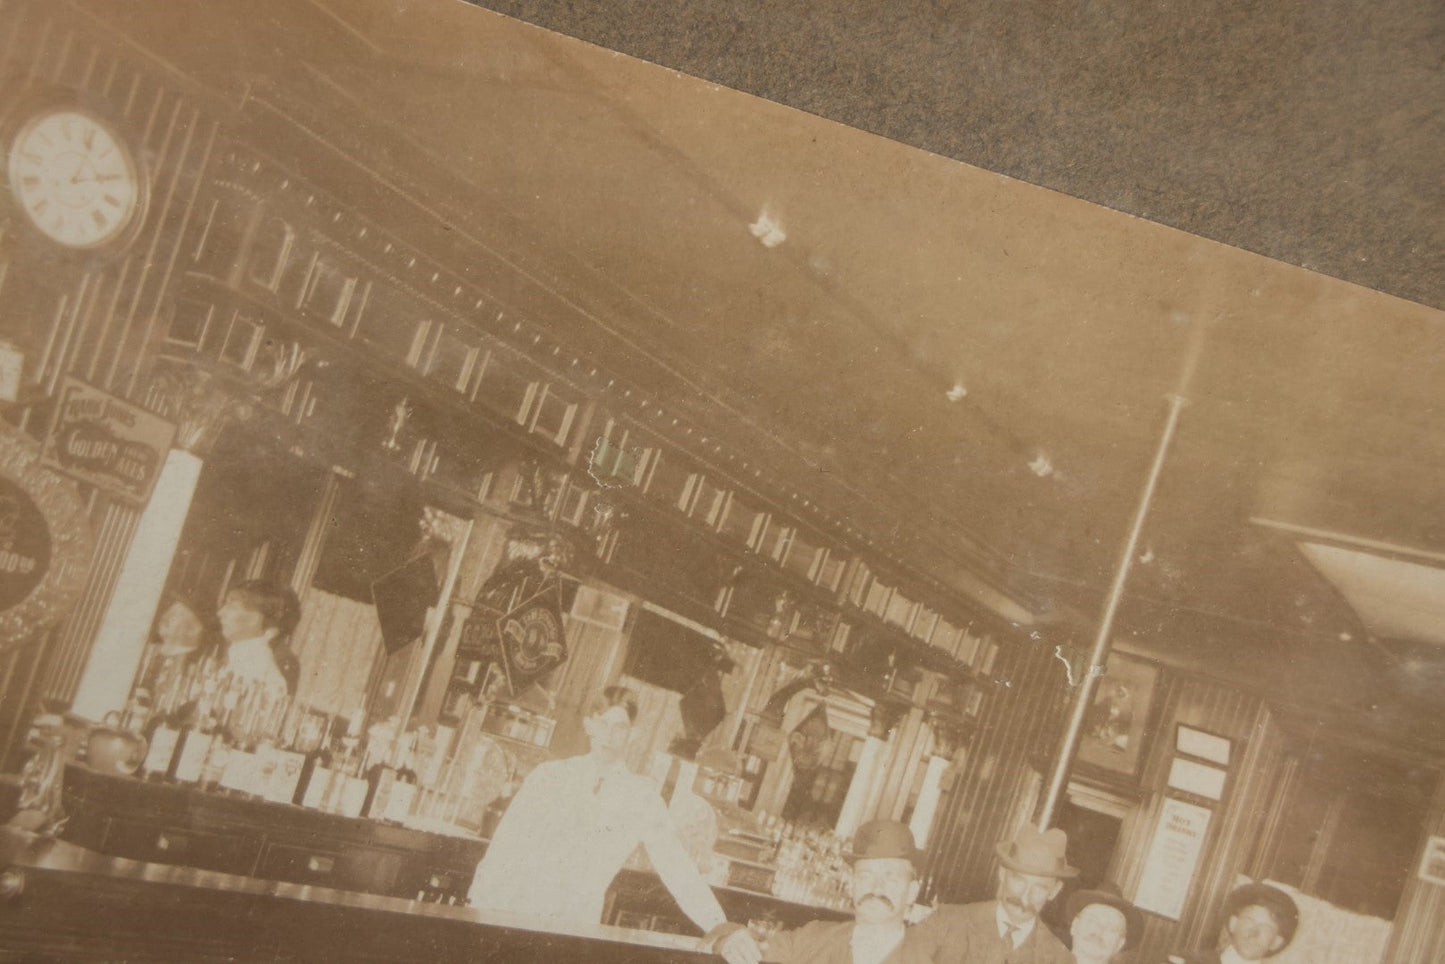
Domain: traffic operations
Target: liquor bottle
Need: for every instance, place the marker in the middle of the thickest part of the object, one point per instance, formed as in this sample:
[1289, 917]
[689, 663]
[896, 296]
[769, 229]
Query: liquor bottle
[198, 730]
[402, 800]
[316, 773]
[231, 764]
[348, 787]
[380, 779]
[282, 759]
[173, 714]
[162, 734]
[194, 748]
[380, 769]
[236, 741]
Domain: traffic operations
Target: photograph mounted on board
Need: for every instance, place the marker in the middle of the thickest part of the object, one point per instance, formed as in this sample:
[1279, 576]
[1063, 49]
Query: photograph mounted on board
[1116, 723]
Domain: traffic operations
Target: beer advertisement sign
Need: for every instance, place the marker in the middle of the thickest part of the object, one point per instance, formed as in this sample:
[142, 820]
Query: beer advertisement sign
[107, 442]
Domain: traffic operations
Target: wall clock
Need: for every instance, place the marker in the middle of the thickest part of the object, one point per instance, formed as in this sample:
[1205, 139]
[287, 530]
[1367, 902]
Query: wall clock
[74, 178]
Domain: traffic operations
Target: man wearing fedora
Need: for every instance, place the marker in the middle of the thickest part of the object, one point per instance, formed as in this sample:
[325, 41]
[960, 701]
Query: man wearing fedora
[1259, 922]
[885, 883]
[1102, 924]
[1007, 930]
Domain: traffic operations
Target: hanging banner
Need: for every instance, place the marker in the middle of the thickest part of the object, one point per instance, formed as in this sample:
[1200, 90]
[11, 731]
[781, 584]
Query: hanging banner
[45, 542]
[532, 637]
[107, 442]
[481, 638]
[516, 624]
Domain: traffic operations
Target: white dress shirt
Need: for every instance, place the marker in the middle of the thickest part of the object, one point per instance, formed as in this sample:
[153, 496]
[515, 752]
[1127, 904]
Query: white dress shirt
[870, 945]
[253, 661]
[1021, 932]
[569, 830]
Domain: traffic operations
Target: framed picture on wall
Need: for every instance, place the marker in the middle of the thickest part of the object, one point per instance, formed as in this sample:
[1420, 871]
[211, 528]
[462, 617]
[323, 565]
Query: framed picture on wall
[1116, 725]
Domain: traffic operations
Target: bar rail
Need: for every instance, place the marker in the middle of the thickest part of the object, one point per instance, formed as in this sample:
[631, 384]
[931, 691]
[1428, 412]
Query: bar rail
[77, 905]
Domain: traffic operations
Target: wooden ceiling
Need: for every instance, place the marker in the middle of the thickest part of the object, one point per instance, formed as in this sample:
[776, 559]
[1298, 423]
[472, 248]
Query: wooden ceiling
[975, 365]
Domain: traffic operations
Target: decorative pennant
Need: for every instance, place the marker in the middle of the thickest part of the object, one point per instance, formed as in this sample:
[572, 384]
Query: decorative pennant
[532, 638]
[402, 598]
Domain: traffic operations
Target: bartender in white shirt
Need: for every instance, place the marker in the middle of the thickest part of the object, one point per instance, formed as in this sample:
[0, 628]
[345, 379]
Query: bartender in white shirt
[256, 617]
[573, 824]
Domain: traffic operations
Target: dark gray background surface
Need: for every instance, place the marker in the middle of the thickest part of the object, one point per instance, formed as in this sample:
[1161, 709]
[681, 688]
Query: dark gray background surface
[1312, 132]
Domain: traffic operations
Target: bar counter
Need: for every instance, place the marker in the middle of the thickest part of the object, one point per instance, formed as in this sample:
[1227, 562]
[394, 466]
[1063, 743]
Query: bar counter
[165, 824]
[78, 905]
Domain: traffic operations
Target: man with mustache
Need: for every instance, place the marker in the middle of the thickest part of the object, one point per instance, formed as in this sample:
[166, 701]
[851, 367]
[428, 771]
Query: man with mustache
[885, 883]
[1007, 930]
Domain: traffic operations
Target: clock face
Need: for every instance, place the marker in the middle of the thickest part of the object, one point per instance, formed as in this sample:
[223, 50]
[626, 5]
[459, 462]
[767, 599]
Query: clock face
[74, 178]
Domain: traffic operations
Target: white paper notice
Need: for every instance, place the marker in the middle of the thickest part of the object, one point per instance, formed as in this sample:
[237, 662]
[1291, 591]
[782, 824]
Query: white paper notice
[1173, 855]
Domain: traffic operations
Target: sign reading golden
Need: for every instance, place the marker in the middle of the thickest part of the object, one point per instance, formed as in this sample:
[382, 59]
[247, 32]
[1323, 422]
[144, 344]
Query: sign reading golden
[107, 441]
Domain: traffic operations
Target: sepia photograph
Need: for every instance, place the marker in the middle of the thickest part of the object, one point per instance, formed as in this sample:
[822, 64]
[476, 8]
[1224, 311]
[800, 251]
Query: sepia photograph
[871, 483]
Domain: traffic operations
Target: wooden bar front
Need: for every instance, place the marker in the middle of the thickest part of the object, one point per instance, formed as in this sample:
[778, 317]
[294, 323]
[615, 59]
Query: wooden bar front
[81, 906]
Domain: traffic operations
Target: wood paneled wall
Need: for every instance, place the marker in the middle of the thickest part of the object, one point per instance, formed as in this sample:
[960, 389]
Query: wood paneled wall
[997, 784]
[1419, 933]
[94, 318]
[1020, 722]
[1238, 821]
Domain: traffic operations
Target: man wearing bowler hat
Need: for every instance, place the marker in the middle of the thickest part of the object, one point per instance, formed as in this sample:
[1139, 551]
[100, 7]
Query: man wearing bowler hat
[885, 882]
[1102, 924]
[1259, 922]
[1007, 930]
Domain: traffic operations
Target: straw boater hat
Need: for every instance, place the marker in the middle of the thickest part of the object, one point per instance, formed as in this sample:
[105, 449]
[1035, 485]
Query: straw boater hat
[1040, 854]
[884, 838]
[1281, 907]
[1109, 895]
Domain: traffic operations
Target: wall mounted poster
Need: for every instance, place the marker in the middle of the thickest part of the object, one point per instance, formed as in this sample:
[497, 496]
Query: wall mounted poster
[1172, 859]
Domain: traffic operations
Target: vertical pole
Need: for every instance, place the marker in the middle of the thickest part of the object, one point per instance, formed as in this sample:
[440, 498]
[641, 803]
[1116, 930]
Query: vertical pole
[415, 680]
[928, 796]
[115, 656]
[1084, 692]
[851, 814]
[316, 531]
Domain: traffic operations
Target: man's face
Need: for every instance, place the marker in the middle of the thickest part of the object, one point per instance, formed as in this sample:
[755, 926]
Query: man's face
[239, 620]
[883, 889]
[607, 733]
[805, 744]
[1023, 896]
[1098, 931]
[1254, 933]
[178, 628]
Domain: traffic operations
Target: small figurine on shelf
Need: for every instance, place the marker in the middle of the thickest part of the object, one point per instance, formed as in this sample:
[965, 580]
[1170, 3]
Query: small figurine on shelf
[39, 815]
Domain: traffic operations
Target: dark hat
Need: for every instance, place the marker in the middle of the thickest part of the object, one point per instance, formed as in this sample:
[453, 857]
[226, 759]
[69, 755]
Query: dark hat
[884, 838]
[1040, 854]
[1109, 895]
[1281, 907]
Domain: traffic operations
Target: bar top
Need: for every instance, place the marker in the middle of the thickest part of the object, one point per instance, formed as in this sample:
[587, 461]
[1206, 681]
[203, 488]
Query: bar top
[61, 857]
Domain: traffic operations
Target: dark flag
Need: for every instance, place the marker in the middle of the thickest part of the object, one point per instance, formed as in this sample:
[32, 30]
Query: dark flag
[532, 638]
[402, 598]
